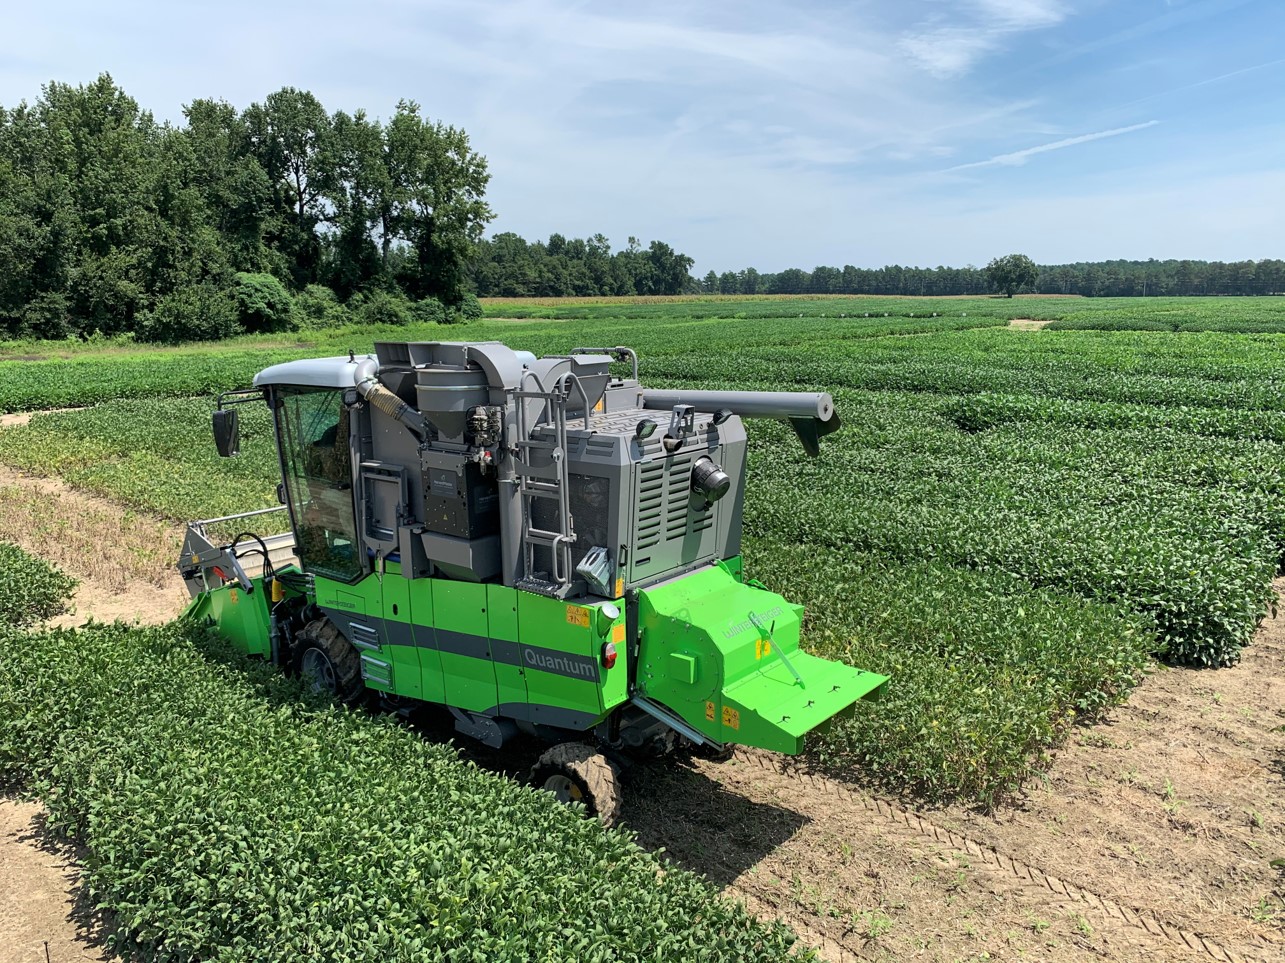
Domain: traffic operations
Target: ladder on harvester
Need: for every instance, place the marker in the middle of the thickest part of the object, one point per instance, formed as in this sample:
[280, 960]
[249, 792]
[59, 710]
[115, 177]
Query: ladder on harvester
[544, 482]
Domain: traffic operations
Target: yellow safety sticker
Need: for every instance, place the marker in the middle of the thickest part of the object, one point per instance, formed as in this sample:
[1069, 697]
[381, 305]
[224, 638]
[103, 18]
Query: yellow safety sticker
[233, 597]
[731, 718]
[620, 587]
[762, 648]
[601, 405]
[709, 711]
[576, 615]
[618, 633]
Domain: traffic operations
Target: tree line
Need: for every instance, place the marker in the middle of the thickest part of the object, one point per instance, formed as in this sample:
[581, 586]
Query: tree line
[236, 220]
[507, 266]
[1149, 278]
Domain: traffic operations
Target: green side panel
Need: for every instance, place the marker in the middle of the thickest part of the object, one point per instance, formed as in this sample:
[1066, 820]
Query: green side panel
[615, 681]
[736, 566]
[561, 651]
[365, 601]
[510, 679]
[724, 656]
[360, 599]
[420, 592]
[461, 631]
[399, 636]
[240, 618]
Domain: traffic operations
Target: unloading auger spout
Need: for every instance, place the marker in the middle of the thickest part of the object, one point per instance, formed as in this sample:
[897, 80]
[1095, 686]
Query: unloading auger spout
[810, 413]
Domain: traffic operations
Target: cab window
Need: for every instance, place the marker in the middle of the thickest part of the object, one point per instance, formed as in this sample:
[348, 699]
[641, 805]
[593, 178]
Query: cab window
[312, 425]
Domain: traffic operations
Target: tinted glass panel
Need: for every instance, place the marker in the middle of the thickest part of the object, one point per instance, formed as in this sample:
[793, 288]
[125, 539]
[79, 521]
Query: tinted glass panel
[313, 425]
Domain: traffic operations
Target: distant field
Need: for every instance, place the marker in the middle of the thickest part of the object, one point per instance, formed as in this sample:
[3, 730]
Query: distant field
[1008, 523]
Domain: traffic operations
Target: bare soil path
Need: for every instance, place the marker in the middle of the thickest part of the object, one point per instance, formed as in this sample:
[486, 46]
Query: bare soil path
[1151, 838]
[1028, 324]
[124, 559]
[40, 922]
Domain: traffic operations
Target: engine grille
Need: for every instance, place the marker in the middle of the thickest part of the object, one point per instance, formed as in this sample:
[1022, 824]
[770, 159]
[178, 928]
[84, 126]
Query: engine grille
[665, 508]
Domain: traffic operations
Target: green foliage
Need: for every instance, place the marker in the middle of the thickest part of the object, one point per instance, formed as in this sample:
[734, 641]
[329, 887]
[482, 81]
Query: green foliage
[31, 590]
[430, 311]
[198, 313]
[1183, 529]
[127, 451]
[1012, 272]
[1135, 473]
[470, 308]
[107, 218]
[987, 672]
[229, 819]
[263, 303]
[318, 307]
[382, 307]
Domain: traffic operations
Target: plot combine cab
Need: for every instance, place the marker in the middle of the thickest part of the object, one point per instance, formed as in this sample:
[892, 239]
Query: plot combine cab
[541, 546]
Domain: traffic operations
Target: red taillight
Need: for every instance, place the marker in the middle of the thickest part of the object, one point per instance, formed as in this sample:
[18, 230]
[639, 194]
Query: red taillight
[608, 654]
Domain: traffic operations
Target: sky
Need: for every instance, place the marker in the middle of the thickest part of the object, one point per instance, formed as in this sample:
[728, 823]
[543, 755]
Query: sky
[769, 134]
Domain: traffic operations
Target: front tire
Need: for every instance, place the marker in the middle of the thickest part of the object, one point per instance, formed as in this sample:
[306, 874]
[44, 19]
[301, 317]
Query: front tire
[327, 662]
[576, 773]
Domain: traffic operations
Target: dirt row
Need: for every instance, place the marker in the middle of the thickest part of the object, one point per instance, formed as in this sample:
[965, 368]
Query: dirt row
[1157, 827]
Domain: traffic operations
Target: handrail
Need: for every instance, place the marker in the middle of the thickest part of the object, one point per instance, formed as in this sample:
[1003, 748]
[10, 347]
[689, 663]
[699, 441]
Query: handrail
[620, 352]
[233, 518]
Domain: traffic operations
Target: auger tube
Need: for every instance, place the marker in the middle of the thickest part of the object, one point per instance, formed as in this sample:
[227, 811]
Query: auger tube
[747, 404]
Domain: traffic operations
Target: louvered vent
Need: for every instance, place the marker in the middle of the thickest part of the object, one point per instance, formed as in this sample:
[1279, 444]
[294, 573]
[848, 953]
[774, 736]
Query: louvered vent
[665, 512]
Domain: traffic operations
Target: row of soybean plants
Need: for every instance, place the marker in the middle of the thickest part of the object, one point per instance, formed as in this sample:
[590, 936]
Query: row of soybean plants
[987, 671]
[1216, 371]
[1184, 529]
[82, 378]
[225, 815]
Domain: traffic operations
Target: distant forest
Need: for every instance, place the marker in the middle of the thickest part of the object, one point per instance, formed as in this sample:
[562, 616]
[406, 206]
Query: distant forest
[509, 267]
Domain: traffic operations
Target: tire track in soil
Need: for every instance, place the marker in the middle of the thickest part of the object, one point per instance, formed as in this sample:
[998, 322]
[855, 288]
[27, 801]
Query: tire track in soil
[1048, 875]
[1027, 876]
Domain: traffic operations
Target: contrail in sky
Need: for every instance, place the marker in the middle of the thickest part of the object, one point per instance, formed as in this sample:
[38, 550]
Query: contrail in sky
[1018, 157]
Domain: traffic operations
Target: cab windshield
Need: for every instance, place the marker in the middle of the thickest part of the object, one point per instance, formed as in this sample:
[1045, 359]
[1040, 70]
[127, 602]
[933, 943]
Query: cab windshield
[312, 425]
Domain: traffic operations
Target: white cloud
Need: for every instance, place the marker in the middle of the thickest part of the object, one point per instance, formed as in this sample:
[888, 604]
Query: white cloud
[1019, 157]
[949, 46]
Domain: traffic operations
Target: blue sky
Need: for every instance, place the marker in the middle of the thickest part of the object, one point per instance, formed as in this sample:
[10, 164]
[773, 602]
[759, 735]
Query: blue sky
[770, 134]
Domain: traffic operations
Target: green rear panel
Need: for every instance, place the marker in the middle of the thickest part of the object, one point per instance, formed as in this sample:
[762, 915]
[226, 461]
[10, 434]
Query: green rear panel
[399, 636]
[510, 682]
[432, 684]
[719, 653]
[241, 619]
[561, 653]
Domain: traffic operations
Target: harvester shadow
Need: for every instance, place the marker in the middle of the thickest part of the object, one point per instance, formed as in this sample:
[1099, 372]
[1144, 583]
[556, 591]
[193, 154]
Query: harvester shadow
[700, 825]
[669, 806]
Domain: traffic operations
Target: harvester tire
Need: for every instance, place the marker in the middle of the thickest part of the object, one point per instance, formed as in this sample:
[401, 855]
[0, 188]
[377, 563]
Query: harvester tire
[575, 772]
[323, 655]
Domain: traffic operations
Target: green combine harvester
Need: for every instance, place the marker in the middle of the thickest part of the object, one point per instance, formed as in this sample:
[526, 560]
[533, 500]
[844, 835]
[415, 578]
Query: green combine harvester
[541, 546]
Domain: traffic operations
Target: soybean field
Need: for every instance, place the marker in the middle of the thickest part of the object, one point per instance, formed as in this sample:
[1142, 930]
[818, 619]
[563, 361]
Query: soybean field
[1017, 526]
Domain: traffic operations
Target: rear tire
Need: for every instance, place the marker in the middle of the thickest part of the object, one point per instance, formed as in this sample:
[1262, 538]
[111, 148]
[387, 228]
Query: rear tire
[575, 772]
[327, 662]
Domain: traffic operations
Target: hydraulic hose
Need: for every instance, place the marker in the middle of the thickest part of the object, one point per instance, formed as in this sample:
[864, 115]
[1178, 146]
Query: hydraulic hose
[371, 390]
